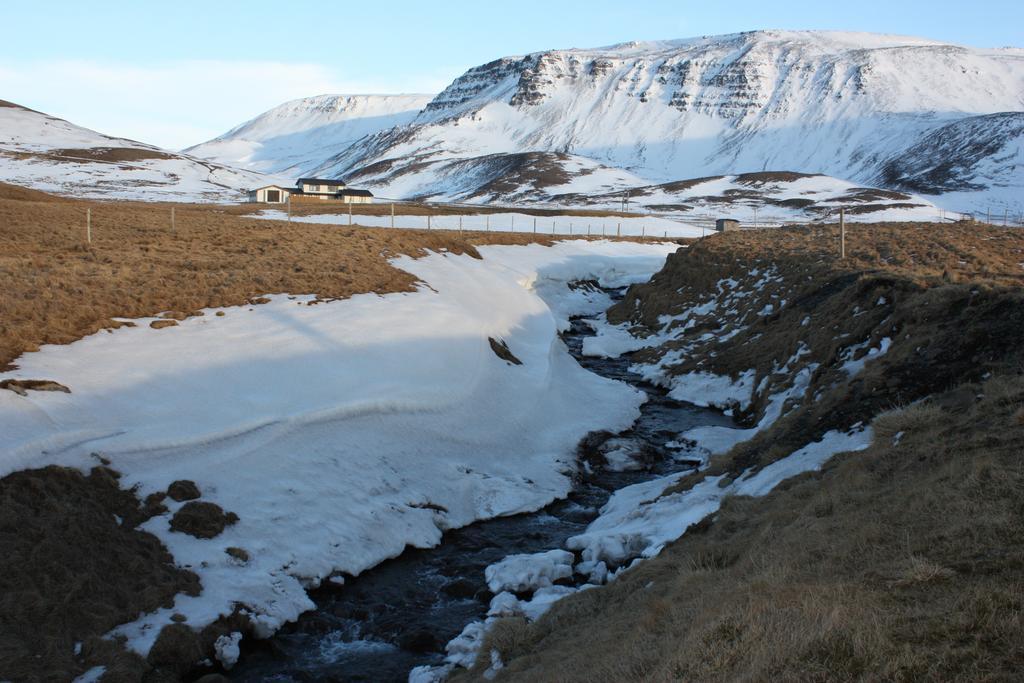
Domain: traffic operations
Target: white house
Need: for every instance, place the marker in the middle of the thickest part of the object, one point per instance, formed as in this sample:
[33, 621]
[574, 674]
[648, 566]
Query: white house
[320, 188]
[271, 194]
[311, 188]
[356, 196]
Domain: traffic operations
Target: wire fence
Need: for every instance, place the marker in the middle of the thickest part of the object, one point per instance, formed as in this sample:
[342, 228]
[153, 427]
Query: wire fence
[547, 220]
[542, 220]
[559, 219]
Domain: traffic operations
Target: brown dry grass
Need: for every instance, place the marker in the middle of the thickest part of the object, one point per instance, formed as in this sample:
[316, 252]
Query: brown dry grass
[111, 154]
[74, 566]
[901, 563]
[56, 288]
[921, 251]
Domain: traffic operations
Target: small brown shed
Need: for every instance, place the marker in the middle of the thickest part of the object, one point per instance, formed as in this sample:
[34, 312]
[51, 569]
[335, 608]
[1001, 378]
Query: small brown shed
[726, 225]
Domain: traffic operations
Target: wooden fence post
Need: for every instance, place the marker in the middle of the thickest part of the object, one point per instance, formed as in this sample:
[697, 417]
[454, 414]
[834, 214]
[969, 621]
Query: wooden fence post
[842, 233]
[289, 208]
[392, 214]
[535, 225]
[350, 212]
[172, 219]
[428, 219]
[88, 226]
[487, 221]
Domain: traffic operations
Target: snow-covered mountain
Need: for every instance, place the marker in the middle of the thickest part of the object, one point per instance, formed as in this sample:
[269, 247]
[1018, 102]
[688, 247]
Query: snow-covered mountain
[840, 104]
[53, 155]
[298, 136]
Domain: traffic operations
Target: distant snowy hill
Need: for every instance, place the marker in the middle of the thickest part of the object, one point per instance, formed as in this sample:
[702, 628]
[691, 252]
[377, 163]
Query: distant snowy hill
[53, 155]
[839, 104]
[298, 136]
[970, 159]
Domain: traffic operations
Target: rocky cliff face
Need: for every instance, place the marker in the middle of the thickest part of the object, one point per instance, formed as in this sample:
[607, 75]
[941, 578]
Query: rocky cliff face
[833, 103]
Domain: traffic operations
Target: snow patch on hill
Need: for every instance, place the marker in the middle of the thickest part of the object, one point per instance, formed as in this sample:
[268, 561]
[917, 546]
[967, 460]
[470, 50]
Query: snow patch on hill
[296, 137]
[54, 155]
[977, 162]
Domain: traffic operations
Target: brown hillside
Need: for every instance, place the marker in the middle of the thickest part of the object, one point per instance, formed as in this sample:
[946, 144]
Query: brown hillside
[24, 194]
[903, 562]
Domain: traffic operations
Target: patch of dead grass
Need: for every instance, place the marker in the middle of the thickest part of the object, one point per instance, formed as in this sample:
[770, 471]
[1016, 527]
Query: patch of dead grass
[73, 566]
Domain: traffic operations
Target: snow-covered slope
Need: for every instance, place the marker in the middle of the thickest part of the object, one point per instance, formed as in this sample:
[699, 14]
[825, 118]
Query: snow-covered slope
[298, 136]
[767, 197]
[977, 161]
[841, 104]
[53, 155]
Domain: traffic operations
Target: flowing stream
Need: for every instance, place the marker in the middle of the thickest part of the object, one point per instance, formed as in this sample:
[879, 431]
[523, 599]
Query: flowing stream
[401, 613]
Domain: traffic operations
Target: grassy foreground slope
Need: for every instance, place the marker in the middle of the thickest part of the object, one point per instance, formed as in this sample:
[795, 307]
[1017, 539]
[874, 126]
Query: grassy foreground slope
[901, 562]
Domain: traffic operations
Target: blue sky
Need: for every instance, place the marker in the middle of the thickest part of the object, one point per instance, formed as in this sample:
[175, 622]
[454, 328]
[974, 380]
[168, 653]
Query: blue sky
[179, 73]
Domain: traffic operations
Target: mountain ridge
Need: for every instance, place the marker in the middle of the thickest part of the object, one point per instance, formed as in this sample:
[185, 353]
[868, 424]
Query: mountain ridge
[837, 103]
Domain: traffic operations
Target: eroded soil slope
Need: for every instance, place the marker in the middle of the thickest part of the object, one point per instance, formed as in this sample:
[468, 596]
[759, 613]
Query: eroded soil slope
[899, 562]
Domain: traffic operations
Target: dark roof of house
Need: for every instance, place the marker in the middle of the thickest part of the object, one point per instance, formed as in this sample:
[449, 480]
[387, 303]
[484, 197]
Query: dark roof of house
[356, 193]
[322, 181]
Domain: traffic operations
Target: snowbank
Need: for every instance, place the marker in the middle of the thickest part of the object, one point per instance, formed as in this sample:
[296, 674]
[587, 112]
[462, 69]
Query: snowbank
[708, 390]
[714, 440]
[342, 432]
[638, 521]
[519, 573]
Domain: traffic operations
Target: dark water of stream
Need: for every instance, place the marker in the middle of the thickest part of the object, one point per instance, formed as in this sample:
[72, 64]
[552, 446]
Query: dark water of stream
[400, 614]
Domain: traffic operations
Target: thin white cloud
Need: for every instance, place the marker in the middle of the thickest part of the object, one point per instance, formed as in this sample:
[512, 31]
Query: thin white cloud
[176, 104]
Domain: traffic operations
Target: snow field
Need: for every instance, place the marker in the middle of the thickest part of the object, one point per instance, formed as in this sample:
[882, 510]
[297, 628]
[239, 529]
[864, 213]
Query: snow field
[342, 432]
